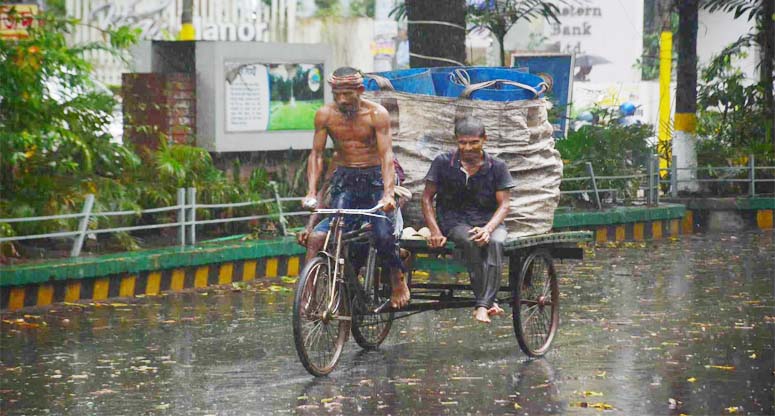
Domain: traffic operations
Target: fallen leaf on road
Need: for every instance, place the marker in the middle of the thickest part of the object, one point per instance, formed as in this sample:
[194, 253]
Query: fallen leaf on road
[721, 367]
[691, 379]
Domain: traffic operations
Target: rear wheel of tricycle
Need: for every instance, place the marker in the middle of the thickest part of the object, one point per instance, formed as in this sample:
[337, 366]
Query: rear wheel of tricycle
[536, 309]
[320, 322]
[370, 329]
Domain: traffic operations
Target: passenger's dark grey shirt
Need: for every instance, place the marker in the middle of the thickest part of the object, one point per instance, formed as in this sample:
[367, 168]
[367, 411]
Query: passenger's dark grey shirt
[463, 199]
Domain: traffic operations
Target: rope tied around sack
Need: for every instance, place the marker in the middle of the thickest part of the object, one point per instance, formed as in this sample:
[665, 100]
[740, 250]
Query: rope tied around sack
[461, 76]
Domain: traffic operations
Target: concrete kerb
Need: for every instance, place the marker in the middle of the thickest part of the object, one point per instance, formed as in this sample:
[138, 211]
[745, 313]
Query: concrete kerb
[152, 272]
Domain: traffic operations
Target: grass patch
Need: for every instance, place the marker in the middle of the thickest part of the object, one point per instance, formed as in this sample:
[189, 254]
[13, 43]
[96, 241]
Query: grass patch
[282, 116]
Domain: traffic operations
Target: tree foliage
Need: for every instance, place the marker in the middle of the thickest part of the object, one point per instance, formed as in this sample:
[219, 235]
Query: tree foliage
[55, 147]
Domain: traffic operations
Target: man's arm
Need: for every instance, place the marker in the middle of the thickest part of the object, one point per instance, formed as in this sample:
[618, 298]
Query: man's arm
[481, 235]
[385, 150]
[437, 239]
[315, 161]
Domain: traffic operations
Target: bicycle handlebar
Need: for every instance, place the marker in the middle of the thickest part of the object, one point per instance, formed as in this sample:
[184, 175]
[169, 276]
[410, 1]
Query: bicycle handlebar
[368, 212]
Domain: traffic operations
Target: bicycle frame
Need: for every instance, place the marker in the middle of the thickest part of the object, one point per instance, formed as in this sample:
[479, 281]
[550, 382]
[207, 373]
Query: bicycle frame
[336, 230]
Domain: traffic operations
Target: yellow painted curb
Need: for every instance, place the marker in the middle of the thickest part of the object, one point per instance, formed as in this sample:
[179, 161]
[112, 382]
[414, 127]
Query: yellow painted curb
[271, 267]
[764, 219]
[249, 270]
[656, 230]
[637, 231]
[127, 287]
[16, 298]
[293, 266]
[153, 284]
[45, 294]
[620, 233]
[601, 235]
[200, 278]
[688, 222]
[225, 273]
[178, 280]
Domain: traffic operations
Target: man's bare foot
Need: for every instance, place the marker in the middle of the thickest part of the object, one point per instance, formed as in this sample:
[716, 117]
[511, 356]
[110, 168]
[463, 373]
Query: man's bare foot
[400, 294]
[480, 314]
[495, 310]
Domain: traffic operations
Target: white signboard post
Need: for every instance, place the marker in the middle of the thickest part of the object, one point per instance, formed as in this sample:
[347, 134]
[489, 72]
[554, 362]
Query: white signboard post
[247, 98]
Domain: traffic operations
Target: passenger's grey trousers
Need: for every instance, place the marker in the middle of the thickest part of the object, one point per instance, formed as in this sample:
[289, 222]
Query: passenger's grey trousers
[485, 264]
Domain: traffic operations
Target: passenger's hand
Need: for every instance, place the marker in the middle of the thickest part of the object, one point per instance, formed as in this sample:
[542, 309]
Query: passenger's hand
[480, 235]
[437, 240]
[388, 203]
[302, 237]
[309, 202]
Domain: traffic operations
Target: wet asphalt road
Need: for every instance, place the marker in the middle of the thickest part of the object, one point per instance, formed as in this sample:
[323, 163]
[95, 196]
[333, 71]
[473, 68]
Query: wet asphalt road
[681, 326]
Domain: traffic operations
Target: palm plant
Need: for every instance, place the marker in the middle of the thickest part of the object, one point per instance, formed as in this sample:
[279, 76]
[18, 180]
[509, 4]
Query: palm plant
[499, 16]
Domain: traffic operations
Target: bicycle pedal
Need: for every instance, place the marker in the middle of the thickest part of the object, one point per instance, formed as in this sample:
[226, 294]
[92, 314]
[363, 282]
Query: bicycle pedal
[382, 307]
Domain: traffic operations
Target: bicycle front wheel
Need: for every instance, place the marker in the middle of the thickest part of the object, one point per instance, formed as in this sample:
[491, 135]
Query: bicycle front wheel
[369, 328]
[536, 312]
[320, 325]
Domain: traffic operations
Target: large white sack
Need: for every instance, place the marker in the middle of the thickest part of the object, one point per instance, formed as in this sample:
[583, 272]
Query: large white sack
[517, 132]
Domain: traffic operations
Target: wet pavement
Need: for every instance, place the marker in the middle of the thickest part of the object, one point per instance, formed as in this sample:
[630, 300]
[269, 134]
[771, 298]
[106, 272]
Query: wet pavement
[682, 326]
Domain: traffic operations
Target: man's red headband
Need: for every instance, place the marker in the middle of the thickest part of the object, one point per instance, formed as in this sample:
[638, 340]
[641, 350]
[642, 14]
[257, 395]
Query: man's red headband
[346, 82]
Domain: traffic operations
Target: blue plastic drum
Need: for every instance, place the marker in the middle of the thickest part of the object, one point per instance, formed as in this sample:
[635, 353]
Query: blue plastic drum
[496, 92]
[413, 81]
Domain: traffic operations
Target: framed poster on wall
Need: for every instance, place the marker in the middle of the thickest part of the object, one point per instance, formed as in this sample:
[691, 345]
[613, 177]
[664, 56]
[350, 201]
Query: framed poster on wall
[259, 98]
[272, 97]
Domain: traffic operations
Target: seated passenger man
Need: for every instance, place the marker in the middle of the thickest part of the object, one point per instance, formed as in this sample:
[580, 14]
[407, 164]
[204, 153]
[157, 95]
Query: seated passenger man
[364, 175]
[472, 200]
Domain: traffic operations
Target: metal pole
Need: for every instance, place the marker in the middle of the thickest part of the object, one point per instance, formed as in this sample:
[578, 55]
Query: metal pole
[752, 175]
[192, 216]
[82, 226]
[674, 177]
[283, 221]
[591, 173]
[182, 216]
[656, 180]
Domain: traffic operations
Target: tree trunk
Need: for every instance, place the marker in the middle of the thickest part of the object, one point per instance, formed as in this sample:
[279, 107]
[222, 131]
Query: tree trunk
[502, 49]
[685, 124]
[686, 68]
[436, 40]
[767, 44]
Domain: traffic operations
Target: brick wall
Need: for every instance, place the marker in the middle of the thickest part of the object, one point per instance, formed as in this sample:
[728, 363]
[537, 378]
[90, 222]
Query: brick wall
[159, 106]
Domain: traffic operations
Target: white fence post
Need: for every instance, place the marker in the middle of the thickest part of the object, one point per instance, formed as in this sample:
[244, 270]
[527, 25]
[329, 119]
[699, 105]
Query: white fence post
[182, 216]
[283, 221]
[674, 177]
[752, 175]
[83, 225]
[192, 216]
[591, 173]
[656, 179]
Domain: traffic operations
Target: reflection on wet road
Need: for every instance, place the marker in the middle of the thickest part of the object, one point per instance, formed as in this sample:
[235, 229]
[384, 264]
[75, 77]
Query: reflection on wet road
[668, 328]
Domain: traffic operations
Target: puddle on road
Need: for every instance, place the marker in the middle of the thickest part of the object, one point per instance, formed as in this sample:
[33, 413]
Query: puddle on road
[675, 327]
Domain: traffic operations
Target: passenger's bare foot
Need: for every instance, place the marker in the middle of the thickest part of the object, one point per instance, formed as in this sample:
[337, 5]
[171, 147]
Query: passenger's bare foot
[480, 314]
[496, 310]
[400, 294]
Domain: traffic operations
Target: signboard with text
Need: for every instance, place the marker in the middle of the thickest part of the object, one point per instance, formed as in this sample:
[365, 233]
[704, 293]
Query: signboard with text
[16, 19]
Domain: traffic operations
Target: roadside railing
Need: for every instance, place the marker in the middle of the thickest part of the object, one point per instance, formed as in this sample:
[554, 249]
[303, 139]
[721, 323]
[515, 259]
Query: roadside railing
[677, 176]
[599, 186]
[186, 218]
[599, 189]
